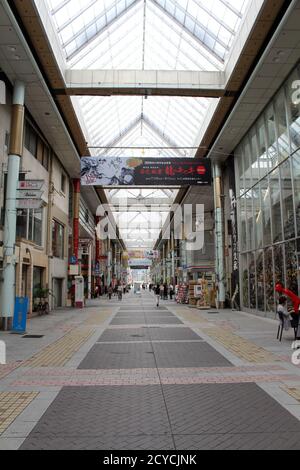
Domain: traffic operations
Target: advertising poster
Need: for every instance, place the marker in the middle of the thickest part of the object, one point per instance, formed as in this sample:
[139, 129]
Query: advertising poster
[123, 171]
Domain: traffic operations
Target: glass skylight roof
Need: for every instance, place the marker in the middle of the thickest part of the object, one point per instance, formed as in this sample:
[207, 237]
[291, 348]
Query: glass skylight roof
[194, 35]
[205, 30]
[140, 229]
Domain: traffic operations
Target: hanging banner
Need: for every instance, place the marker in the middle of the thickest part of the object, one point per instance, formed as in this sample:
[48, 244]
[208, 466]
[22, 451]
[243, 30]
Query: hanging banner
[123, 171]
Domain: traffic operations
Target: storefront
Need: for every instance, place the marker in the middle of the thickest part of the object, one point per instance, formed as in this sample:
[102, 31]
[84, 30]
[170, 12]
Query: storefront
[267, 166]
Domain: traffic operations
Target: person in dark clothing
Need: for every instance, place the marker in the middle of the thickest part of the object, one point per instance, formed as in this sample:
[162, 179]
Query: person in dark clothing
[165, 292]
[157, 293]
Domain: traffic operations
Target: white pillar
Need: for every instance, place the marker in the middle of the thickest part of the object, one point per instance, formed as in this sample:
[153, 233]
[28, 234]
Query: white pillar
[219, 237]
[15, 153]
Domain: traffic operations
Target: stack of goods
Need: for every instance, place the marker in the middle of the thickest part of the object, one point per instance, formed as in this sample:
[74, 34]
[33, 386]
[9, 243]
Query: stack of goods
[203, 301]
[182, 294]
[192, 298]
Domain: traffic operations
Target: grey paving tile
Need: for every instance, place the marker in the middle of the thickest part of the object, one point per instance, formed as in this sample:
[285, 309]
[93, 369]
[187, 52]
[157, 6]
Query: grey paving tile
[226, 409]
[249, 441]
[175, 334]
[128, 321]
[135, 334]
[100, 443]
[119, 356]
[103, 412]
[163, 321]
[188, 355]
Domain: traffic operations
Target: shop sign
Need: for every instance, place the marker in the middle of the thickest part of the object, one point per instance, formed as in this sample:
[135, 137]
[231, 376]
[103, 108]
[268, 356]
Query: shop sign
[31, 184]
[29, 203]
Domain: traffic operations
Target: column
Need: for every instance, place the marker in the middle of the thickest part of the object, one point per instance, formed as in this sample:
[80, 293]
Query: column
[173, 258]
[219, 235]
[109, 262]
[15, 153]
[164, 263]
[90, 271]
[97, 254]
[76, 206]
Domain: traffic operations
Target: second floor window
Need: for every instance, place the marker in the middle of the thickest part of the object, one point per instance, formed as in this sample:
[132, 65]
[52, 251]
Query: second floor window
[57, 239]
[30, 225]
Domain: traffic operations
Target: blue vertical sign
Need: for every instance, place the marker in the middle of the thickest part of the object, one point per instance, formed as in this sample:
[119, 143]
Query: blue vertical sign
[20, 315]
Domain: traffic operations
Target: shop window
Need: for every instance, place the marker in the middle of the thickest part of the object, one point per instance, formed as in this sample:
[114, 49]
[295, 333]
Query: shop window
[252, 280]
[266, 211]
[279, 264]
[257, 217]
[293, 113]
[250, 220]
[245, 280]
[282, 135]
[287, 200]
[295, 160]
[247, 165]
[263, 161]
[271, 137]
[253, 157]
[275, 205]
[269, 279]
[291, 261]
[240, 162]
[57, 239]
[260, 280]
[243, 224]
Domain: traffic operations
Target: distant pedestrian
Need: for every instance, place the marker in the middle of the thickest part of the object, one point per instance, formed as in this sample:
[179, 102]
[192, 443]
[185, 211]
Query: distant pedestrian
[161, 291]
[158, 294]
[165, 292]
[110, 292]
[171, 291]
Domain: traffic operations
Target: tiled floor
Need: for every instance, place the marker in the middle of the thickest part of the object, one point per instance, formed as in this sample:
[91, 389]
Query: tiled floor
[127, 376]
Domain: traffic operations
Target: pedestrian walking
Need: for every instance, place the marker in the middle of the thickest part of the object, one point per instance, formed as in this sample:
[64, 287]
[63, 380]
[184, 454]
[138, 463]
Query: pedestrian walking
[161, 291]
[110, 292]
[165, 292]
[171, 291]
[119, 291]
[158, 294]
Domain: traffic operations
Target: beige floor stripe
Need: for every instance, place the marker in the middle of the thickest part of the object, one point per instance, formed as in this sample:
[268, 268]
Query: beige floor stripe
[11, 406]
[61, 351]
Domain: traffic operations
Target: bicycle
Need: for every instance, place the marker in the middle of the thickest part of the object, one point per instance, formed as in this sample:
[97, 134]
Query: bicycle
[43, 308]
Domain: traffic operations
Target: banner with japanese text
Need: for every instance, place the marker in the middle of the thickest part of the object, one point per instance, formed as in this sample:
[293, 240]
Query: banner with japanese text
[123, 171]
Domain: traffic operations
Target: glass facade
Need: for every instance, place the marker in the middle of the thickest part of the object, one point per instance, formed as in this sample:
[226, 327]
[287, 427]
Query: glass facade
[268, 180]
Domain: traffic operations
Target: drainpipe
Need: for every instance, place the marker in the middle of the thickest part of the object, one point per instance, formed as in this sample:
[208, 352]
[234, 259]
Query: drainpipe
[15, 154]
[219, 235]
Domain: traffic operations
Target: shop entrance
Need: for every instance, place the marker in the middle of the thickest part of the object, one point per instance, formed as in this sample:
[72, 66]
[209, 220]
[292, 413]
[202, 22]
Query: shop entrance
[58, 292]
